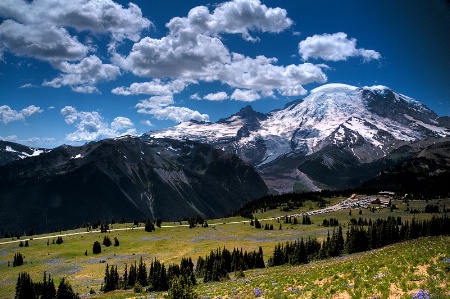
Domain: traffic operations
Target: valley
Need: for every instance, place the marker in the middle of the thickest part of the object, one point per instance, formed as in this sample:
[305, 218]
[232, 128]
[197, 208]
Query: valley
[283, 188]
[174, 241]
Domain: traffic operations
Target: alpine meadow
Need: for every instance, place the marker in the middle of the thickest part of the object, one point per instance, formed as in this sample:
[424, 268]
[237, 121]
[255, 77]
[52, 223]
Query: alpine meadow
[238, 149]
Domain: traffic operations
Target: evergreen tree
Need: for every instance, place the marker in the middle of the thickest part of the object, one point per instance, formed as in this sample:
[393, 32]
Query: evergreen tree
[96, 248]
[18, 260]
[24, 287]
[181, 288]
[132, 275]
[149, 226]
[116, 242]
[65, 291]
[141, 276]
[158, 223]
[259, 261]
[125, 277]
[187, 268]
[107, 241]
[157, 276]
[48, 290]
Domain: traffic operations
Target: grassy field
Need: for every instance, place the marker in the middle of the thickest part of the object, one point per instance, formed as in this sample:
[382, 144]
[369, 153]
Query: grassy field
[393, 272]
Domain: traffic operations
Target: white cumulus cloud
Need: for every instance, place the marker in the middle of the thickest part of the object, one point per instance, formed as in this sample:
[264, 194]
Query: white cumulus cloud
[8, 115]
[178, 114]
[159, 107]
[333, 47]
[41, 41]
[83, 76]
[236, 17]
[91, 126]
[100, 16]
[48, 30]
[245, 95]
[147, 123]
[193, 51]
[261, 74]
[154, 87]
[195, 96]
[219, 96]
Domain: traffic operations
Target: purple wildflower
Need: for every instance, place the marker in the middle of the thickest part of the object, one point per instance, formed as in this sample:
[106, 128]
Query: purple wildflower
[421, 294]
[257, 292]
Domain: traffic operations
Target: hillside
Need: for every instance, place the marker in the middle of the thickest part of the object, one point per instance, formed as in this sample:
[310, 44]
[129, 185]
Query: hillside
[10, 151]
[427, 172]
[390, 272]
[337, 137]
[125, 178]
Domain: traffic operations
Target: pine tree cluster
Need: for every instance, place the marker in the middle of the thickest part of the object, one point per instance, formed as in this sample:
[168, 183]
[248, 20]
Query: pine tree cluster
[379, 233]
[330, 222]
[385, 232]
[18, 259]
[217, 265]
[107, 241]
[298, 252]
[26, 289]
[159, 277]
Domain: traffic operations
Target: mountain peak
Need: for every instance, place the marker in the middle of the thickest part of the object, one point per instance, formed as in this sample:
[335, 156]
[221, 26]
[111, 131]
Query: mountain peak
[334, 87]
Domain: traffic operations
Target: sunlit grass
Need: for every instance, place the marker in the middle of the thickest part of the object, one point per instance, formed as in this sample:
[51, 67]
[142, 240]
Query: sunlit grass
[396, 271]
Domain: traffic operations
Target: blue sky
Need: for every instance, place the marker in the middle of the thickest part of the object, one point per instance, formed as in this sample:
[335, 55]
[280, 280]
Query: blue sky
[77, 71]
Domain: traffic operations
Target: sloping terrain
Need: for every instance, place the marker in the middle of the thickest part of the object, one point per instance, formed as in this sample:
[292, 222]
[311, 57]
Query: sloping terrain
[427, 172]
[10, 151]
[343, 128]
[129, 178]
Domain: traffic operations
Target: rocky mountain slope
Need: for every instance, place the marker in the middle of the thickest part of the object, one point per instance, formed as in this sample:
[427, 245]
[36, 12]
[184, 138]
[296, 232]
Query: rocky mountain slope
[338, 128]
[10, 151]
[129, 178]
[427, 172]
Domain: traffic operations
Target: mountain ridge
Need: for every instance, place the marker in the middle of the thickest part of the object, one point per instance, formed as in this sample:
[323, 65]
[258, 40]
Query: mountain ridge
[367, 122]
[127, 177]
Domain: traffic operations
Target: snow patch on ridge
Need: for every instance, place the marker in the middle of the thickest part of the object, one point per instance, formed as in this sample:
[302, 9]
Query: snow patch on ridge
[443, 132]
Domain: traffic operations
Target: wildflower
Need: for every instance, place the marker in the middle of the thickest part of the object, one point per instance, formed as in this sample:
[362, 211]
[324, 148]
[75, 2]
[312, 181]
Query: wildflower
[421, 294]
[257, 292]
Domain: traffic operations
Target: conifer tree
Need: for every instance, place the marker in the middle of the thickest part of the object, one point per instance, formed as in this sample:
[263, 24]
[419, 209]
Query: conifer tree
[65, 291]
[181, 288]
[18, 260]
[96, 248]
[48, 290]
[24, 287]
[107, 241]
[141, 277]
[132, 275]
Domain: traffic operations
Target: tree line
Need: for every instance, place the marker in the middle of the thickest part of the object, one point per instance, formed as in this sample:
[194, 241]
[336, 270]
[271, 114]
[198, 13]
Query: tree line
[178, 278]
[217, 265]
[375, 234]
[27, 289]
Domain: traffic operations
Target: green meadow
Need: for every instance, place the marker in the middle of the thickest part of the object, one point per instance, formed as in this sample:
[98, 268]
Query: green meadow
[395, 271]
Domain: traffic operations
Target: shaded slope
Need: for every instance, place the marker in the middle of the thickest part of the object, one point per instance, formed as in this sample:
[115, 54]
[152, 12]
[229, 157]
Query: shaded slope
[127, 178]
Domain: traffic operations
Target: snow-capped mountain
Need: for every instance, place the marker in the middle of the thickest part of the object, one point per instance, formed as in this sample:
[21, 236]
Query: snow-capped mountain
[365, 123]
[10, 151]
